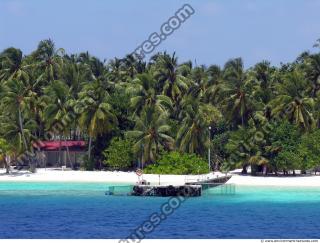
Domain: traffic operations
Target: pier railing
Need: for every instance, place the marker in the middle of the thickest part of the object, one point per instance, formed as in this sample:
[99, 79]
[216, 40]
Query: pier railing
[210, 189]
[119, 190]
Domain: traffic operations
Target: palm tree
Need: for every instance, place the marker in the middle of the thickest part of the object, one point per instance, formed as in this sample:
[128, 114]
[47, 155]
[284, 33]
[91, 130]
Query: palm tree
[261, 75]
[97, 116]
[185, 69]
[49, 60]
[17, 122]
[116, 73]
[214, 74]
[16, 98]
[143, 93]
[234, 91]
[10, 130]
[172, 83]
[12, 65]
[151, 134]
[200, 82]
[213, 84]
[291, 101]
[133, 65]
[57, 98]
[313, 73]
[95, 66]
[192, 136]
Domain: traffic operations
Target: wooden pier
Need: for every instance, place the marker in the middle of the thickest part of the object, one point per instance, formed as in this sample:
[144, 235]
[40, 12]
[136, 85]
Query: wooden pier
[167, 191]
[189, 189]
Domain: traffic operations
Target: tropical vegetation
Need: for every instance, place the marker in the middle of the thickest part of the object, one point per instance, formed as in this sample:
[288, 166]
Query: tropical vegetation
[157, 113]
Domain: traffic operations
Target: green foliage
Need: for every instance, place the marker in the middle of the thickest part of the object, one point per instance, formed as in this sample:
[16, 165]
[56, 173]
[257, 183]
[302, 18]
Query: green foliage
[284, 139]
[238, 148]
[178, 164]
[260, 116]
[287, 160]
[219, 153]
[284, 135]
[150, 134]
[263, 143]
[120, 102]
[193, 135]
[119, 154]
[4, 146]
[309, 150]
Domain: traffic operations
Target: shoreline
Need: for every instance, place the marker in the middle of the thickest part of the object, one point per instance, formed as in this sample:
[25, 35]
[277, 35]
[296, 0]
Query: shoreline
[119, 177]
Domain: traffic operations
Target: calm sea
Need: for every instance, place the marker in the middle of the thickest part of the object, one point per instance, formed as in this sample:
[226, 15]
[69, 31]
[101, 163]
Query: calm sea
[74, 210]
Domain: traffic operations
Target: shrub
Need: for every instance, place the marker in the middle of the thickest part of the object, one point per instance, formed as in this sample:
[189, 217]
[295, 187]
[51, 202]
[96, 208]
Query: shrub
[119, 154]
[288, 160]
[310, 150]
[284, 140]
[178, 164]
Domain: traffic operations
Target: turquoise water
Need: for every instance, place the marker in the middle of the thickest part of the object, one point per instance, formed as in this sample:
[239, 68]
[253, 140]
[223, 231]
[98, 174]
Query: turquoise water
[81, 210]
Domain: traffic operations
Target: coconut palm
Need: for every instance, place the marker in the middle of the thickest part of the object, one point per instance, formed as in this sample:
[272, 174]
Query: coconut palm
[261, 75]
[192, 137]
[151, 134]
[234, 92]
[172, 83]
[17, 124]
[49, 60]
[12, 65]
[96, 112]
[116, 73]
[200, 82]
[291, 101]
[143, 93]
[132, 66]
[16, 98]
[57, 99]
[313, 73]
[11, 131]
[75, 76]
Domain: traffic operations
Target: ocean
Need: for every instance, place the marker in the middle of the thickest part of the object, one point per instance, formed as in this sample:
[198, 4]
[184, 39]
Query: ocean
[82, 210]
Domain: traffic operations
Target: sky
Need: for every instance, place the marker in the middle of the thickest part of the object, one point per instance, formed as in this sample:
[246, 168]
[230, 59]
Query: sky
[256, 30]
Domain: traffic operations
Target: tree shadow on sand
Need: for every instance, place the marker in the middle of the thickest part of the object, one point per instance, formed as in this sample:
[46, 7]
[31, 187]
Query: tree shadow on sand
[16, 173]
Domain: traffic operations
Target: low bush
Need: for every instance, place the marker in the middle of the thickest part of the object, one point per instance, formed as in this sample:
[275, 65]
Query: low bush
[119, 154]
[178, 164]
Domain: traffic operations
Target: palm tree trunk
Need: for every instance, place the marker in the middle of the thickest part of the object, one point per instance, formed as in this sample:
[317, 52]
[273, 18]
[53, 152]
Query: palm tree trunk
[68, 153]
[7, 168]
[7, 164]
[244, 169]
[24, 139]
[21, 130]
[89, 148]
[59, 161]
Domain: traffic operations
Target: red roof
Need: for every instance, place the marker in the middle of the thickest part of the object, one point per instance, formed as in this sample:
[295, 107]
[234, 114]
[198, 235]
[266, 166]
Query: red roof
[54, 145]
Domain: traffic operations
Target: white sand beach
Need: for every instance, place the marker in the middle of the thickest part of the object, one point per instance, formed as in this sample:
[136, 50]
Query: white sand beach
[291, 181]
[118, 177]
[57, 175]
